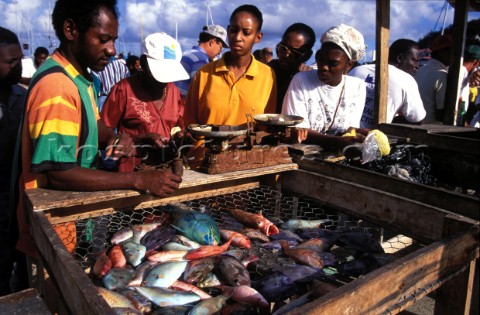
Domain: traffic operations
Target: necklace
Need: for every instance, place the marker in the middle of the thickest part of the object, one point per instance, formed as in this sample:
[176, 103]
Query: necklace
[328, 126]
[161, 101]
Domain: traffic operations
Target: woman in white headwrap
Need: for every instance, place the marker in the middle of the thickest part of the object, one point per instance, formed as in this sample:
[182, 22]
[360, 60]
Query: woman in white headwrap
[330, 102]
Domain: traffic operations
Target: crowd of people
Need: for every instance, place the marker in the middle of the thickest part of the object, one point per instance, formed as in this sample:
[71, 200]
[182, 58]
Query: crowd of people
[83, 100]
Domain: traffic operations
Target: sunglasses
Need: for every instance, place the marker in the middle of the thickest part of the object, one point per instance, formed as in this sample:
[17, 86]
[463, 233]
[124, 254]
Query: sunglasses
[282, 49]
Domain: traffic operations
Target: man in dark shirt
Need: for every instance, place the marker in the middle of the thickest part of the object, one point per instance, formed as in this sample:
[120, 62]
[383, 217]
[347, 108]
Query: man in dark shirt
[11, 107]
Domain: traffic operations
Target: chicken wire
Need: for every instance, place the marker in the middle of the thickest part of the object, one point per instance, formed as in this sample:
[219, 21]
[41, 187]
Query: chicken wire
[91, 236]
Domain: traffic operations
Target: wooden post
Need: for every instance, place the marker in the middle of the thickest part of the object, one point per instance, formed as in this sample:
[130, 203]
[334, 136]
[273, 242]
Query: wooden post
[453, 80]
[456, 295]
[381, 62]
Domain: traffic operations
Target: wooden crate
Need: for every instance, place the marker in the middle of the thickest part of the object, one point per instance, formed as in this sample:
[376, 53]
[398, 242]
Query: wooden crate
[451, 256]
[26, 302]
[450, 200]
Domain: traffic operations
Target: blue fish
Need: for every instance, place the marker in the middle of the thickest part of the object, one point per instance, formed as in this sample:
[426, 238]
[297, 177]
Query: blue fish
[133, 252]
[118, 278]
[164, 275]
[198, 227]
[166, 297]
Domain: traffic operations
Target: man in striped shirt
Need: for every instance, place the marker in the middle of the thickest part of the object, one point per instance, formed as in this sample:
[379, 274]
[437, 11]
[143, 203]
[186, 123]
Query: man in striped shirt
[62, 131]
[210, 43]
[113, 73]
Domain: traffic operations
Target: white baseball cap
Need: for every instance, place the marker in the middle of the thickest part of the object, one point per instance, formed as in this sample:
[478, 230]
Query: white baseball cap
[163, 55]
[217, 31]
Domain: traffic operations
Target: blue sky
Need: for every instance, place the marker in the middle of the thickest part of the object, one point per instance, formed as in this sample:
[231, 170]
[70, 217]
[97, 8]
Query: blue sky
[413, 19]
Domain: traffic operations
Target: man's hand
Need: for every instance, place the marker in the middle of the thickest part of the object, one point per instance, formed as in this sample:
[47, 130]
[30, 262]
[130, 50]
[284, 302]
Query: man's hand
[119, 146]
[348, 140]
[158, 183]
[151, 138]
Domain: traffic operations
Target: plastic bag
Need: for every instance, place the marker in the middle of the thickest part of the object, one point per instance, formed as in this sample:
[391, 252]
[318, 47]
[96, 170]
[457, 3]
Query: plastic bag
[373, 148]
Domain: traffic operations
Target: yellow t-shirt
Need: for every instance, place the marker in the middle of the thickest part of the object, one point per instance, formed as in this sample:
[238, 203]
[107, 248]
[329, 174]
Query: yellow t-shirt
[215, 98]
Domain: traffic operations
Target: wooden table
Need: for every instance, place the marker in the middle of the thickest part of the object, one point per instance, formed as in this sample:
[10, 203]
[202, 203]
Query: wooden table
[450, 257]
[27, 302]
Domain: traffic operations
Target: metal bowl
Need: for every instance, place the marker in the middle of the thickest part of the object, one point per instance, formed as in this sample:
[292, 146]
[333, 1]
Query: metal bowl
[209, 131]
[277, 120]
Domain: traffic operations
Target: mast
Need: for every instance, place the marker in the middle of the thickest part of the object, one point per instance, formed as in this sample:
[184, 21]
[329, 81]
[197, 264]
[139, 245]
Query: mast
[208, 13]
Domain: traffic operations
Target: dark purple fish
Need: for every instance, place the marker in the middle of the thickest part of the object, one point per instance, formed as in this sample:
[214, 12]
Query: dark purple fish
[275, 286]
[275, 245]
[231, 271]
[301, 273]
[352, 268]
[314, 233]
[286, 235]
[154, 239]
[360, 241]
[328, 259]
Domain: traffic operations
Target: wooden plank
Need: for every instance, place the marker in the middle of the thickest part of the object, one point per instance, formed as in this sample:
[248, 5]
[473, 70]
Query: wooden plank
[411, 218]
[424, 136]
[462, 204]
[460, 19]
[26, 302]
[380, 290]
[41, 199]
[455, 296]
[381, 63]
[75, 286]
[84, 212]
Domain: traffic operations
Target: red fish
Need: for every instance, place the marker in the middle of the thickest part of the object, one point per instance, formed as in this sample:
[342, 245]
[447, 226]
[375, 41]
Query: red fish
[102, 265]
[256, 221]
[167, 255]
[303, 256]
[207, 251]
[117, 257]
[238, 239]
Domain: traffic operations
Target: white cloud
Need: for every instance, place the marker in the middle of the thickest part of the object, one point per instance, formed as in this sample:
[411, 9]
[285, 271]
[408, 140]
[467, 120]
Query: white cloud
[408, 19]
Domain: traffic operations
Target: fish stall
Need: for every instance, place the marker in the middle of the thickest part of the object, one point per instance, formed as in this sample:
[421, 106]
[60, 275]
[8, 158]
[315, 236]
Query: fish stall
[268, 240]
[436, 165]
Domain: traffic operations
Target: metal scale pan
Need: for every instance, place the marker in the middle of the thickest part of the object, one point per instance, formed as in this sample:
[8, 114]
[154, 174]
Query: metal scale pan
[219, 132]
[277, 120]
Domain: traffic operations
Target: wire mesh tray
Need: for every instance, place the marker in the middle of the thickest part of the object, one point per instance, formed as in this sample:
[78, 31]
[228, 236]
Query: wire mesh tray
[93, 234]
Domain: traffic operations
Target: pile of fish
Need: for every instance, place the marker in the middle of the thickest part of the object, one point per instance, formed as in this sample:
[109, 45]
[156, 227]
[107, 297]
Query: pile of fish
[408, 162]
[191, 265]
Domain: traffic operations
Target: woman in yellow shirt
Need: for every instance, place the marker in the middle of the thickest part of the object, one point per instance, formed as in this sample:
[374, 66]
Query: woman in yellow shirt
[224, 91]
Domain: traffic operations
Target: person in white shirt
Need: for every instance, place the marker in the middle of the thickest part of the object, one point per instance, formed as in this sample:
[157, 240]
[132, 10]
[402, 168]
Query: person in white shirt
[432, 79]
[30, 65]
[403, 100]
[330, 101]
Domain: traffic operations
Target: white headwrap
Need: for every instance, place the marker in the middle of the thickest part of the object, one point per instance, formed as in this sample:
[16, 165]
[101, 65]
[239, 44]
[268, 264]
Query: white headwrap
[349, 39]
